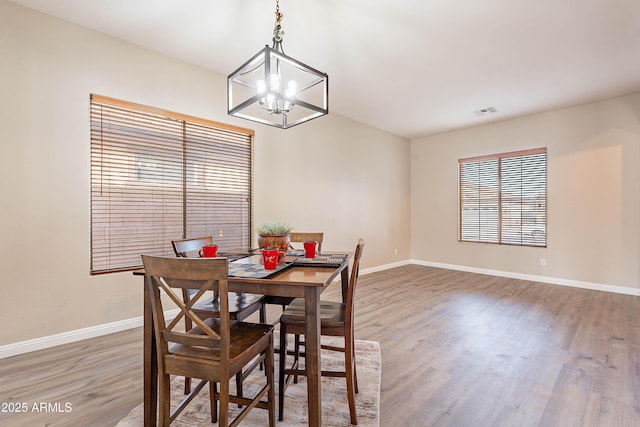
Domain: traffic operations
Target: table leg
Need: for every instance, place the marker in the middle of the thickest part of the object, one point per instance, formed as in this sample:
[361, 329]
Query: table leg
[150, 364]
[312, 350]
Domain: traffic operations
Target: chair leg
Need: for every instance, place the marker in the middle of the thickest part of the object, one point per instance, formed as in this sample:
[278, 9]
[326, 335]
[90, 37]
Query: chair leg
[350, 377]
[213, 389]
[271, 394]
[296, 356]
[165, 400]
[355, 371]
[281, 375]
[187, 385]
[263, 319]
[239, 387]
[224, 403]
[263, 313]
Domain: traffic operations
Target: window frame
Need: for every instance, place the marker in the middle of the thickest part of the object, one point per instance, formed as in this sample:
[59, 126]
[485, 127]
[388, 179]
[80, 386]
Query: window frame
[212, 165]
[485, 200]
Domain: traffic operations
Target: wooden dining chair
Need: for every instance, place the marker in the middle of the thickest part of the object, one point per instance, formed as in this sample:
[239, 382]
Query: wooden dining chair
[336, 320]
[300, 237]
[215, 349]
[295, 237]
[241, 305]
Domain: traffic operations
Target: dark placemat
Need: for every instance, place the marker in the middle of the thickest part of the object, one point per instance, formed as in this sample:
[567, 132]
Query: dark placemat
[252, 271]
[324, 260]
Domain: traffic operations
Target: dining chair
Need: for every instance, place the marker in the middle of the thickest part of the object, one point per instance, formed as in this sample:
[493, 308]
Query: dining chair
[336, 319]
[295, 237]
[241, 305]
[300, 237]
[214, 350]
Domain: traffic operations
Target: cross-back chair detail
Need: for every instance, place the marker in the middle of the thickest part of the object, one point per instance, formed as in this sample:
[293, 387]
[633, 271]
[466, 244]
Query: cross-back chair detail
[186, 312]
[208, 351]
[240, 305]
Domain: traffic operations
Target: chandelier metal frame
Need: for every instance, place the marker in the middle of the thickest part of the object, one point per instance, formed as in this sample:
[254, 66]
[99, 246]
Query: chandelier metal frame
[256, 91]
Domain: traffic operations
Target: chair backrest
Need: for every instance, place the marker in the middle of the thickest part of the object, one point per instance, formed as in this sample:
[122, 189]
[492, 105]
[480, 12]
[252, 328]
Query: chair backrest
[199, 274]
[353, 281]
[299, 237]
[185, 247]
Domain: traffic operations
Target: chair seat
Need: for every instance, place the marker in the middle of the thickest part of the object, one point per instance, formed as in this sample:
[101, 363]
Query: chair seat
[241, 306]
[331, 313]
[244, 337]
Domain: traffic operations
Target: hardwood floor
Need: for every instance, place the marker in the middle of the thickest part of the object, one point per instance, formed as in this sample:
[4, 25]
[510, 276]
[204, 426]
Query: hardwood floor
[458, 349]
[101, 379]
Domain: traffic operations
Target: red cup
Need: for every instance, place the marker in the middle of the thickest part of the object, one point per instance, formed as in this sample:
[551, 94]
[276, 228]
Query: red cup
[310, 249]
[209, 251]
[270, 258]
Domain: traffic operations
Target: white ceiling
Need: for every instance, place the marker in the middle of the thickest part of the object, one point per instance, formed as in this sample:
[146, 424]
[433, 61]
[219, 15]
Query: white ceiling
[411, 67]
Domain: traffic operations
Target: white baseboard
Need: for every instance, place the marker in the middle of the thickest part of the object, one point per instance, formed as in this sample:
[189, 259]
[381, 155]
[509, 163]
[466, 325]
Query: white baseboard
[99, 330]
[543, 279]
[384, 267]
[27, 346]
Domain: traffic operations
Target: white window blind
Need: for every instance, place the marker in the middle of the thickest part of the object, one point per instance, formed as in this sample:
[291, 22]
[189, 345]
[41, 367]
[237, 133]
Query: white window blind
[157, 176]
[503, 198]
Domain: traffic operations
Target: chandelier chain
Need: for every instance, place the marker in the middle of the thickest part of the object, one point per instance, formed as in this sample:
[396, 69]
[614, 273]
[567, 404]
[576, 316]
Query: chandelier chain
[278, 32]
[278, 14]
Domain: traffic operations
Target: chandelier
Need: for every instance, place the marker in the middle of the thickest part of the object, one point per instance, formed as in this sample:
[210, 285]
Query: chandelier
[275, 89]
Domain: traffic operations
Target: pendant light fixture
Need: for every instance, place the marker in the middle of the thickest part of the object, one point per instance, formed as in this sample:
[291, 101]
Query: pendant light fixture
[275, 89]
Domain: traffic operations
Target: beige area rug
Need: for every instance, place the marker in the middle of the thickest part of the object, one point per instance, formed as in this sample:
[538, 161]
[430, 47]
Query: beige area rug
[335, 410]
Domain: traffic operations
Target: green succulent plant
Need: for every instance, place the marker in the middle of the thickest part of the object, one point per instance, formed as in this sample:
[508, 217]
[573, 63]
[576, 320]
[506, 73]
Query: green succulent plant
[271, 228]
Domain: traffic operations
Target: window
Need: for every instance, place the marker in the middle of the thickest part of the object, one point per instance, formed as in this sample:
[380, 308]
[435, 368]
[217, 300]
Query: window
[503, 198]
[157, 176]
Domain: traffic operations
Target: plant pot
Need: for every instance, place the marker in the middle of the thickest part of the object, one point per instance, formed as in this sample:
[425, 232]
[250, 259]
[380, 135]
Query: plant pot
[279, 241]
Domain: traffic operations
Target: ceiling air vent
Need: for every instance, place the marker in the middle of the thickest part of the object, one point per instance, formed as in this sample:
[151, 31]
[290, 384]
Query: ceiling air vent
[486, 111]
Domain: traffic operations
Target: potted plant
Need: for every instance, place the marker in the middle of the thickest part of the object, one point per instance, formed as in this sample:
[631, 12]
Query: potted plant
[274, 235]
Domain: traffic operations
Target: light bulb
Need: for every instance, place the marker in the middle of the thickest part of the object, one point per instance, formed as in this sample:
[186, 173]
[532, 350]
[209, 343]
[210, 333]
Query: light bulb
[275, 82]
[261, 86]
[292, 88]
[270, 101]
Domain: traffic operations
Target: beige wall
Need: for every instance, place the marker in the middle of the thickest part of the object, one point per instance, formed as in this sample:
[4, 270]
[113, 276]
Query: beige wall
[593, 194]
[340, 177]
[331, 174]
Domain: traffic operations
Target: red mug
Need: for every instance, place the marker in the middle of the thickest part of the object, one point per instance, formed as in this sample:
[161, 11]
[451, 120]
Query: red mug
[310, 249]
[270, 258]
[209, 251]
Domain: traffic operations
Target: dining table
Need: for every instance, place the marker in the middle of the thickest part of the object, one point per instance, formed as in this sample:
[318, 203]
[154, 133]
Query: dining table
[298, 278]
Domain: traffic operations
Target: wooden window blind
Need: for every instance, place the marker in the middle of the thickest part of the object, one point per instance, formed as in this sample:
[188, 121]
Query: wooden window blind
[157, 176]
[503, 198]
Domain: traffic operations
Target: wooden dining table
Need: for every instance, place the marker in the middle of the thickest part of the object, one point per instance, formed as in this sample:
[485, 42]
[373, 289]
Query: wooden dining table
[304, 281]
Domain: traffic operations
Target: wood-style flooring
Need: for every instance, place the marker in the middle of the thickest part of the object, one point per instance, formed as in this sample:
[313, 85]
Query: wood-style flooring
[458, 349]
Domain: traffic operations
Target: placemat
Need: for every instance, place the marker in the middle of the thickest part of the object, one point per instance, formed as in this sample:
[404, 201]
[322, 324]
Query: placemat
[323, 260]
[253, 271]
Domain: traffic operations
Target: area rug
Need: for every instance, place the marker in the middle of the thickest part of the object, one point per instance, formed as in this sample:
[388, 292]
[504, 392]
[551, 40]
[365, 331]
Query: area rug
[335, 410]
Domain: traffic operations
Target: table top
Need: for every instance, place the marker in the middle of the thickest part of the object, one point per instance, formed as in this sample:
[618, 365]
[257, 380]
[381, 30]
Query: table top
[307, 275]
[293, 276]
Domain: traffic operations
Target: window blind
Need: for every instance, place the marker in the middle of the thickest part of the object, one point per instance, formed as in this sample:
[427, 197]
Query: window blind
[157, 176]
[503, 198]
